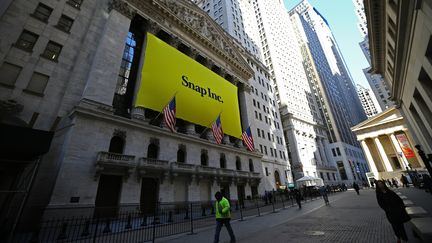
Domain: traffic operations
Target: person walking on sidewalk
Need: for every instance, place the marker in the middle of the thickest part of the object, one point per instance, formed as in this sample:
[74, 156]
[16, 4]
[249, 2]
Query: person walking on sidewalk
[223, 217]
[394, 208]
[298, 197]
[323, 192]
[356, 188]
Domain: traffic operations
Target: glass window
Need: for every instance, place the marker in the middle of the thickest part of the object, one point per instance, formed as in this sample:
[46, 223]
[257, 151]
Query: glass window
[126, 64]
[26, 41]
[42, 12]
[75, 3]
[38, 83]
[9, 73]
[52, 51]
[65, 23]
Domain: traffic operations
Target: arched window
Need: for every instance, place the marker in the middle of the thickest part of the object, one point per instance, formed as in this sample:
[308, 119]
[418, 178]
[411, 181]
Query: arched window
[238, 163]
[222, 161]
[204, 157]
[181, 154]
[251, 166]
[116, 145]
[152, 151]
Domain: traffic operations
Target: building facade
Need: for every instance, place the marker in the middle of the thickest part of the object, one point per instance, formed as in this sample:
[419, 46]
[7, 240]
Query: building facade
[75, 67]
[337, 92]
[368, 101]
[388, 146]
[237, 18]
[401, 50]
[376, 81]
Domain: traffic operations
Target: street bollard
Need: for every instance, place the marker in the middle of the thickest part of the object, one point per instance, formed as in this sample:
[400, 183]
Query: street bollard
[186, 213]
[241, 214]
[191, 220]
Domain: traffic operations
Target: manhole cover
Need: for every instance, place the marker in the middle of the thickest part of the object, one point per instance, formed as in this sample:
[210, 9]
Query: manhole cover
[314, 232]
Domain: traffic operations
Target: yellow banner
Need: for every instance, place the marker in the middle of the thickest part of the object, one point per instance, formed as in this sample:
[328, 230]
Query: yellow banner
[200, 93]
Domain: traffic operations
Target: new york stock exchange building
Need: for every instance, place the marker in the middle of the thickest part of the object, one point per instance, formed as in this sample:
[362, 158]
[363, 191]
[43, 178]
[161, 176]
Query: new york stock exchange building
[122, 62]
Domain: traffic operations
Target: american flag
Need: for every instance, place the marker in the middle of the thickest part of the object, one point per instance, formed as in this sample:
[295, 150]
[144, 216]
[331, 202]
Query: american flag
[247, 139]
[170, 115]
[217, 130]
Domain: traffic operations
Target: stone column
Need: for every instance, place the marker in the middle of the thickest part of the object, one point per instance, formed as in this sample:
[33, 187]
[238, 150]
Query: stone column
[320, 161]
[101, 82]
[322, 149]
[139, 112]
[369, 158]
[399, 150]
[383, 155]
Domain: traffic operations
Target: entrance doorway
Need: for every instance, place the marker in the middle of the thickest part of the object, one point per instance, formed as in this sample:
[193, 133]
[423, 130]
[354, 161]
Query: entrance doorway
[108, 196]
[149, 195]
[396, 163]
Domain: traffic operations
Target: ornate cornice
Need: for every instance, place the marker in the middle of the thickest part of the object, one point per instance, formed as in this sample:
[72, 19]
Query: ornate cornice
[121, 7]
[186, 16]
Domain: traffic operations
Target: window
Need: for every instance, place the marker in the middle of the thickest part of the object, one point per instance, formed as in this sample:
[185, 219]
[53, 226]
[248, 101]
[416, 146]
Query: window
[222, 161]
[26, 41]
[251, 166]
[9, 74]
[116, 145]
[334, 153]
[204, 157]
[52, 51]
[266, 171]
[42, 12]
[238, 163]
[181, 154]
[75, 3]
[152, 151]
[65, 23]
[38, 83]
[338, 151]
[259, 134]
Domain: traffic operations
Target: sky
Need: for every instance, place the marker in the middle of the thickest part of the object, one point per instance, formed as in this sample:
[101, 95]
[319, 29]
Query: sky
[343, 23]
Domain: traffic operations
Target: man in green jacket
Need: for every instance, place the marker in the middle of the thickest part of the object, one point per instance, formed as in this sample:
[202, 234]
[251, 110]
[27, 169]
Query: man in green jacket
[223, 216]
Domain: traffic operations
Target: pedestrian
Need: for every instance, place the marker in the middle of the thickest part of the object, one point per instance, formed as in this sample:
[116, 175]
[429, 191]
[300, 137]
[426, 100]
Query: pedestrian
[298, 197]
[323, 192]
[372, 183]
[270, 196]
[356, 188]
[427, 181]
[404, 181]
[223, 217]
[265, 197]
[389, 183]
[394, 209]
[395, 183]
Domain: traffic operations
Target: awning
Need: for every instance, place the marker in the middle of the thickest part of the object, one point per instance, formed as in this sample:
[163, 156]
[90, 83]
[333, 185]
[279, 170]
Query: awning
[23, 143]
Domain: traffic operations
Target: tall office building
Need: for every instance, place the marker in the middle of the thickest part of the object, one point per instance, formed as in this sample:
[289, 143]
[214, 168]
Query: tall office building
[368, 101]
[305, 134]
[376, 81]
[238, 19]
[337, 89]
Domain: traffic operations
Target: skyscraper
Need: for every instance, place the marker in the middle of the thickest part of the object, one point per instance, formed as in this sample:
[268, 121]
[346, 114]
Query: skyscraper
[368, 101]
[337, 89]
[271, 31]
[238, 19]
[379, 87]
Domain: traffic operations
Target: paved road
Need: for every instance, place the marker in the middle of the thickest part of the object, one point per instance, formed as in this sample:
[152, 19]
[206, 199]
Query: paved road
[349, 218]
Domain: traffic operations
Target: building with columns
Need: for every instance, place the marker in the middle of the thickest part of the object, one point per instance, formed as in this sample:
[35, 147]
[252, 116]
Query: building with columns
[401, 51]
[75, 67]
[388, 145]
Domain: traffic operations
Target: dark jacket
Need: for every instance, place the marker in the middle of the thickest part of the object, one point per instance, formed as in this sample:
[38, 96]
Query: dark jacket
[393, 206]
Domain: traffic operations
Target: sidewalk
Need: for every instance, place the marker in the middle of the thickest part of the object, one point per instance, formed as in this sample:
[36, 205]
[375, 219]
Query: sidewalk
[349, 218]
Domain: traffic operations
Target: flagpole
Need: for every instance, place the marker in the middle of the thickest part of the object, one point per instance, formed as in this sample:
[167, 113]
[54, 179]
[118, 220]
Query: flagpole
[152, 120]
